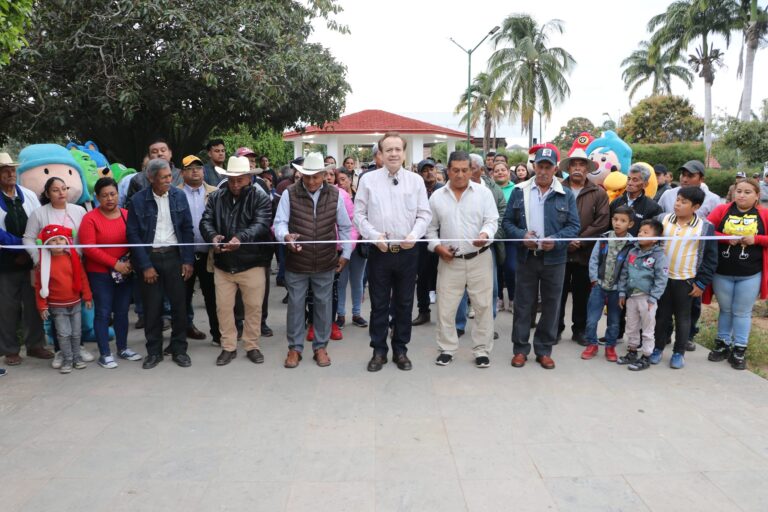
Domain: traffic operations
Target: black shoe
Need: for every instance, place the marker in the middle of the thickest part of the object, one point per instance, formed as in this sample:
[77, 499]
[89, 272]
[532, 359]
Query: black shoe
[167, 351]
[359, 321]
[376, 362]
[255, 356]
[285, 299]
[482, 362]
[738, 358]
[579, 338]
[631, 358]
[140, 323]
[402, 362]
[225, 357]
[239, 334]
[721, 352]
[266, 331]
[195, 333]
[216, 342]
[422, 319]
[460, 332]
[151, 361]
[443, 359]
[495, 335]
[182, 360]
[690, 346]
[641, 364]
[166, 324]
[279, 281]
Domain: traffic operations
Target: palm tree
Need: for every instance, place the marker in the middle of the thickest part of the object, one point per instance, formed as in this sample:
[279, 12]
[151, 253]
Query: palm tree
[533, 73]
[754, 22]
[488, 104]
[638, 71]
[688, 21]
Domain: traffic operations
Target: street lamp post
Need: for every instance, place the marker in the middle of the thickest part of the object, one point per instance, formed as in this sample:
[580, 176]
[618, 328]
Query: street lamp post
[469, 75]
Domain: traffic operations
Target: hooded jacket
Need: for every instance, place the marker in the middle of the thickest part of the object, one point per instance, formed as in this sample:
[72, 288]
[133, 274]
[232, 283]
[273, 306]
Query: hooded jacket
[646, 271]
[599, 253]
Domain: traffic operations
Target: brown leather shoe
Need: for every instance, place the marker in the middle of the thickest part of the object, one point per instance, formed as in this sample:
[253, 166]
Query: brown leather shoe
[519, 360]
[13, 359]
[546, 362]
[195, 333]
[321, 357]
[292, 361]
[39, 353]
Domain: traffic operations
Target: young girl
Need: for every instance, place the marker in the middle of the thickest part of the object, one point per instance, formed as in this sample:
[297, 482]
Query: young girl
[60, 285]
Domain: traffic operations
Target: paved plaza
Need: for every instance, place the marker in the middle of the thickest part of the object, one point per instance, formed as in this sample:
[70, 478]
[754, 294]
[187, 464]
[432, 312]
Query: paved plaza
[587, 436]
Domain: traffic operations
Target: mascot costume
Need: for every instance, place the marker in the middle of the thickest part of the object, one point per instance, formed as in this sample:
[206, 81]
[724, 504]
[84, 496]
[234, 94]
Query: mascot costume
[37, 164]
[613, 158]
[92, 161]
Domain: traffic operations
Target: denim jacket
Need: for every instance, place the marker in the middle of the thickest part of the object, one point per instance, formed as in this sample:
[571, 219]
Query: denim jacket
[561, 220]
[645, 270]
[142, 221]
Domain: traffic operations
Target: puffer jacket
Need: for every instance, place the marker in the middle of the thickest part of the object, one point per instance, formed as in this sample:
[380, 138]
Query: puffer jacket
[644, 270]
[248, 218]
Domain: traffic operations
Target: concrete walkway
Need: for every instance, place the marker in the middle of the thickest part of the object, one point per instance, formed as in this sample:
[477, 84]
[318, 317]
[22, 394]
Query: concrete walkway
[587, 436]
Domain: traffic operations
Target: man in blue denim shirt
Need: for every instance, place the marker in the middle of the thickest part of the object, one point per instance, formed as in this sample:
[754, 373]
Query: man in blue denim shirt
[540, 211]
[159, 215]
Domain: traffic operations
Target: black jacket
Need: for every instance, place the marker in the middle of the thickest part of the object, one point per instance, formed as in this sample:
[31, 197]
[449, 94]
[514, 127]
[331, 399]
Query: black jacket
[644, 207]
[248, 218]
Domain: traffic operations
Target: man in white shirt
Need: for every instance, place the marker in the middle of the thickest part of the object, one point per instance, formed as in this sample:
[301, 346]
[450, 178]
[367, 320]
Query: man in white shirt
[691, 175]
[464, 213]
[391, 206]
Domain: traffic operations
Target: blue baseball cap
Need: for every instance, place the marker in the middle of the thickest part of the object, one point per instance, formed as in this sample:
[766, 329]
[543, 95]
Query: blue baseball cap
[545, 155]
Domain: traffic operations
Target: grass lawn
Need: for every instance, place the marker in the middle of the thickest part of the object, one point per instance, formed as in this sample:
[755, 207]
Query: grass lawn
[757, 351]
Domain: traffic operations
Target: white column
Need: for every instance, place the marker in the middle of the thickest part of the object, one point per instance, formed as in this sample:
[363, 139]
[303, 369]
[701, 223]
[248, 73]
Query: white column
[298, 145]
[451, 148]
[416, 153]
[332, 147]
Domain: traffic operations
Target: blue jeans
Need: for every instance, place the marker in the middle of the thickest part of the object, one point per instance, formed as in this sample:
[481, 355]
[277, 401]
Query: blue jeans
[110, 300]
[352, 274]
[735, 296]
[461, 312]
[597, 299]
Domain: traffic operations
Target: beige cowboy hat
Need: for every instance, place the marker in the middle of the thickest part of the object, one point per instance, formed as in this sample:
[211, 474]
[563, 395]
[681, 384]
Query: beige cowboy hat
[578, 154]
[7, 161]
[313, 164]
[236, 166]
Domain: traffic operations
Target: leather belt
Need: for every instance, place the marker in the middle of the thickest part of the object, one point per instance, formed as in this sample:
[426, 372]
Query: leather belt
[538, 253]
[393, 248]
[162, 250]
[472, 254]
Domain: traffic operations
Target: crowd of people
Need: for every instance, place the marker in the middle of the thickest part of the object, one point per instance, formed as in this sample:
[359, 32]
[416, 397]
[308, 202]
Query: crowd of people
[456, 236]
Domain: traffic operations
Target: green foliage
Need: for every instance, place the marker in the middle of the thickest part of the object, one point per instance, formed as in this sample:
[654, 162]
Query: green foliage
[671, 155]
[514, 157]
[661, 119]
[487, 103]
[719, 180]
[749, 137]
[122, 71]
[571, 130]
[638, 70]
[14, 20]
[440, 151]
[266, 141]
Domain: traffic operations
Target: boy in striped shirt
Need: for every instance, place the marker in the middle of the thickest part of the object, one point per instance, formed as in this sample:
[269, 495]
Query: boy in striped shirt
[692, 264]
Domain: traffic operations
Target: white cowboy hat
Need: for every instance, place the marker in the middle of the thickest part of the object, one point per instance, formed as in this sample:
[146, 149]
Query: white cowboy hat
[236, 166]
[7, 161]
[313, 164]
[578, 154]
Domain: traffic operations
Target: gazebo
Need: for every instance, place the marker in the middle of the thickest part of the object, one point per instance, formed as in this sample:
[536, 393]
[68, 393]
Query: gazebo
[365, 128]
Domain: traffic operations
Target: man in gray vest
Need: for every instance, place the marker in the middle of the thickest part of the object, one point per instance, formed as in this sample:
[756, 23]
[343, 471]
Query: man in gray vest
[311, 210]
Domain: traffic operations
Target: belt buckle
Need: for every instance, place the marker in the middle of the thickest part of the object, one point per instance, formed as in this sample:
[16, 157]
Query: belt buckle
[394, 248]
[536, 252]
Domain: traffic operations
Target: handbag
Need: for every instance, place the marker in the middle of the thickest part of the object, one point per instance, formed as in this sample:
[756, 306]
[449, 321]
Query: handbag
[117, 277]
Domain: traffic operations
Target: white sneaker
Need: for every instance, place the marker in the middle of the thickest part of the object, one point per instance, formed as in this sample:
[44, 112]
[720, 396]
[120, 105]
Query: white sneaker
[471, 312]
[432, 296]
[65, 367]
[57, 361]
[85, 355]
[107, 362]
[499, 304]
[130, 355]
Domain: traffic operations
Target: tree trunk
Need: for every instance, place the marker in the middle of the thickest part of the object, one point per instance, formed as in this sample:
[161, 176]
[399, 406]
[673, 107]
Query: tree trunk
[749, 66]
[530, 132]
[707, 116]
[488, 122]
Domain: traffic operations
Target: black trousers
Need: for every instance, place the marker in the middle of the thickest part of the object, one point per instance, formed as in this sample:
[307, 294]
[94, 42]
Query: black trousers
[578, 285]
[427, 276]
[169, 284]
[391, 275]
[209, 291]
[674, 303]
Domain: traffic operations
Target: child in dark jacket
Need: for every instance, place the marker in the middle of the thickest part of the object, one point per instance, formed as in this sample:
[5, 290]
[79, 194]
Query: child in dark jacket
[605, 266]
[641, 285]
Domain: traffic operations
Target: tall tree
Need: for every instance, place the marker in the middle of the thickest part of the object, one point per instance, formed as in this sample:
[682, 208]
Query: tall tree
[119, 72]
[754, 21]
[661, 119]
[572, 129]
[489, 104]
[533, 72]
[638, 71]
[686, 22]
[14, 20]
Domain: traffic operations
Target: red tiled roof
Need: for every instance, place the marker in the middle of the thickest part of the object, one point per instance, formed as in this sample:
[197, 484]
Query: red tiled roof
[376, 121]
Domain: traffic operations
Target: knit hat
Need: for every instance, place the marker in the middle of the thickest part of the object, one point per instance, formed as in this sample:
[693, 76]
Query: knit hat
[48, 233]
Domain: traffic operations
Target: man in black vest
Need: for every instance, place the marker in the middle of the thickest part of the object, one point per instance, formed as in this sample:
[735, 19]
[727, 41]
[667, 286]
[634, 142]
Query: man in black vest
[311, 210]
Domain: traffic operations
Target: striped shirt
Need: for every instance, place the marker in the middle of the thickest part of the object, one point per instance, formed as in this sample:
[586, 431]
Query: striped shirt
[682, 254]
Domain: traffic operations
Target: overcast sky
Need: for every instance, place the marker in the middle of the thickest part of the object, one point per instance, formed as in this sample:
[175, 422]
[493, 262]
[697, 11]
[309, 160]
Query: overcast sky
[399, 57]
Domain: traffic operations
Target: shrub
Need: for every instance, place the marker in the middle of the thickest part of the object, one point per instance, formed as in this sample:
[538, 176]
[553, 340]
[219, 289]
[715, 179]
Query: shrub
[673, 155]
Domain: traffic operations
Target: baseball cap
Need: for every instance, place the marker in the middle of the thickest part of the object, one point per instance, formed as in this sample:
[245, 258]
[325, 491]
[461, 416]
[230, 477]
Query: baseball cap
[424, 163]
[545, 155]
[189, 159]
[245, 152]
[693, 166]
[660, 169]
[741, 174]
